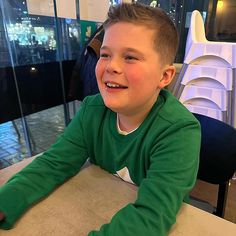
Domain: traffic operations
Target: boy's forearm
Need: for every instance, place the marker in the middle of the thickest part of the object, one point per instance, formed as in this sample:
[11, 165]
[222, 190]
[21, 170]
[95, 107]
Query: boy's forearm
[29, 185]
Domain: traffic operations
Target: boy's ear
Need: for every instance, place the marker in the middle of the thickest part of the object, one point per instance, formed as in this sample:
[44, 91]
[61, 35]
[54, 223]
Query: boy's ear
[167, 76]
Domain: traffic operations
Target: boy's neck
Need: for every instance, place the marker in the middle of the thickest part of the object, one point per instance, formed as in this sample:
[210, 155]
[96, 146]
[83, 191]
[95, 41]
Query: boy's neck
[129, 123]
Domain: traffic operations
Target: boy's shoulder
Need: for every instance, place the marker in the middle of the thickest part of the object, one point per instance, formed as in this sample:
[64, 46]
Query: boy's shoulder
[173, 110]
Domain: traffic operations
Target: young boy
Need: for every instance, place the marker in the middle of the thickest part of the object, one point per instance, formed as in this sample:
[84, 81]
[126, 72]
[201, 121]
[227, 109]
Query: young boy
[134, 129]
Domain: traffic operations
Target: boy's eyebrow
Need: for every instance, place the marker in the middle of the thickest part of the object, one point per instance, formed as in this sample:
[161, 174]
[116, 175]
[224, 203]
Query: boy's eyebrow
[133, 50]
[104, 47]
[128, 49]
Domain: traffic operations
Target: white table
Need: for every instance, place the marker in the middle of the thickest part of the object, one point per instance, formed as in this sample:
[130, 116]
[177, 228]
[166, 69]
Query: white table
[90, 199]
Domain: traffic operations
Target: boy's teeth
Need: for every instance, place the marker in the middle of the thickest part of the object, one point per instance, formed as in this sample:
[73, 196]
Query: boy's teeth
[113, 85]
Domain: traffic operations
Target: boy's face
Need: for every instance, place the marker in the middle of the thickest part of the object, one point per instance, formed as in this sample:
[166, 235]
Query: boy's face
[129, 72]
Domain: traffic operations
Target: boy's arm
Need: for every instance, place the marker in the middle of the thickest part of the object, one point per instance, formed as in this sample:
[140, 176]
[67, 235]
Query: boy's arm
[63, 160]
[171, 175]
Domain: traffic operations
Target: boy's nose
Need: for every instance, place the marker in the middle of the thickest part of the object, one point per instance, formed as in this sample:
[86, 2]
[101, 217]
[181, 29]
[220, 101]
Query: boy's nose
[113, 67]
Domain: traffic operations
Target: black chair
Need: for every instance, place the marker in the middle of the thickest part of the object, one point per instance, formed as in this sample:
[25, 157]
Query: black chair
[217, 157]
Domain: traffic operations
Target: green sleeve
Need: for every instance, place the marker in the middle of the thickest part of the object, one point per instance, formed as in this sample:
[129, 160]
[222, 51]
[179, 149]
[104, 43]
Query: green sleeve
[172, 173]
[63, 160]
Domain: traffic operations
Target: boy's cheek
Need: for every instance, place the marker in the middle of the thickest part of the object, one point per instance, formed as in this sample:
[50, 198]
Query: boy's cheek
[98, 70]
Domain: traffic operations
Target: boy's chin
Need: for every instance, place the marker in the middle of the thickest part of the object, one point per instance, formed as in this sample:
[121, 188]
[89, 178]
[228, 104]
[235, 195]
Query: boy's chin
[114, 107]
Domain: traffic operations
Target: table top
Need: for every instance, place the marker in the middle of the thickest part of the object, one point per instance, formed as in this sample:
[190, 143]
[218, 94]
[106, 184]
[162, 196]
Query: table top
[90, 199]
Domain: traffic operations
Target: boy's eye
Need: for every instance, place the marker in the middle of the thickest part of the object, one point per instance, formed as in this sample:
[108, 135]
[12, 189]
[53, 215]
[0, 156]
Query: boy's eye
[130, 58]
[104, 55]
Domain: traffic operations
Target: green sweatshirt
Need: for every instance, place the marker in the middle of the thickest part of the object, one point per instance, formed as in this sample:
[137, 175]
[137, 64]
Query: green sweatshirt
[161, 157]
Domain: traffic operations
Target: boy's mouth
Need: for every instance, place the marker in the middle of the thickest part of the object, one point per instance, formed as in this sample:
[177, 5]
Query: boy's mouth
[115, 86]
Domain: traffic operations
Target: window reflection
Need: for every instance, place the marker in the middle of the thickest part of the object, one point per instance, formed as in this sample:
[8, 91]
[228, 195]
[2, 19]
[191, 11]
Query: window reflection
[220, 24]
[33, 37]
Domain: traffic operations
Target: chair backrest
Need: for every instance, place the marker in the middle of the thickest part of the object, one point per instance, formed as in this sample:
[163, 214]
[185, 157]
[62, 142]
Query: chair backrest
[196, 32]
[218, 150]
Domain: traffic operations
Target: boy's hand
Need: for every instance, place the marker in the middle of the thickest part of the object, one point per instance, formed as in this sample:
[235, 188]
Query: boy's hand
[2, 216]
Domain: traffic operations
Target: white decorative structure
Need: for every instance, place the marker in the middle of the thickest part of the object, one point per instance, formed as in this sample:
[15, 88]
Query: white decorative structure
[206, 83]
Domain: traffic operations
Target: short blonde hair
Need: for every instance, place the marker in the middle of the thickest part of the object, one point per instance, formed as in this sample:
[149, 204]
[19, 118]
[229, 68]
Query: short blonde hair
[166, 36]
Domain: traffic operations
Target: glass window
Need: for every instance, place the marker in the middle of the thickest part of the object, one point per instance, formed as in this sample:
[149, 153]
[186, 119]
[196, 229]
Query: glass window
[38, 53]
[220, 24]
[33, 37]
